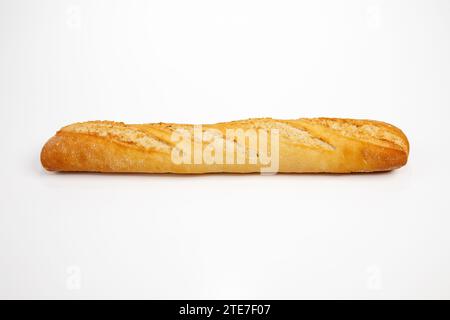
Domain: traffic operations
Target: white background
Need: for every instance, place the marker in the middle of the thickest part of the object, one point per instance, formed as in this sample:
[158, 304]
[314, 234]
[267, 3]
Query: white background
[224, 236]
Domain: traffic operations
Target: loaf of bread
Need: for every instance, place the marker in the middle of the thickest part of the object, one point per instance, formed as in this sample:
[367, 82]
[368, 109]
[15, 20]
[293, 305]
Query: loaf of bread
[254, 145]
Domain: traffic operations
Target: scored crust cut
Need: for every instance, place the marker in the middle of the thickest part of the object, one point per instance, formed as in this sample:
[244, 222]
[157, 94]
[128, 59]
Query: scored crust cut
[326, 145]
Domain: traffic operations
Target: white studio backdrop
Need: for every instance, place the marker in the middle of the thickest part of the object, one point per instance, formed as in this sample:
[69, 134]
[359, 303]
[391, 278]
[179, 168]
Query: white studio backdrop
[224, 236]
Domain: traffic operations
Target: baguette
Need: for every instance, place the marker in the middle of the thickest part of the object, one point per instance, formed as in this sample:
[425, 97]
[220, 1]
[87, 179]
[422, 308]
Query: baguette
[325, 145]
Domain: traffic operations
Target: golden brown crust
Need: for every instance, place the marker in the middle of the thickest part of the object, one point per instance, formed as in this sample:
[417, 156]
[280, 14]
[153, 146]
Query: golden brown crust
[306, 145]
